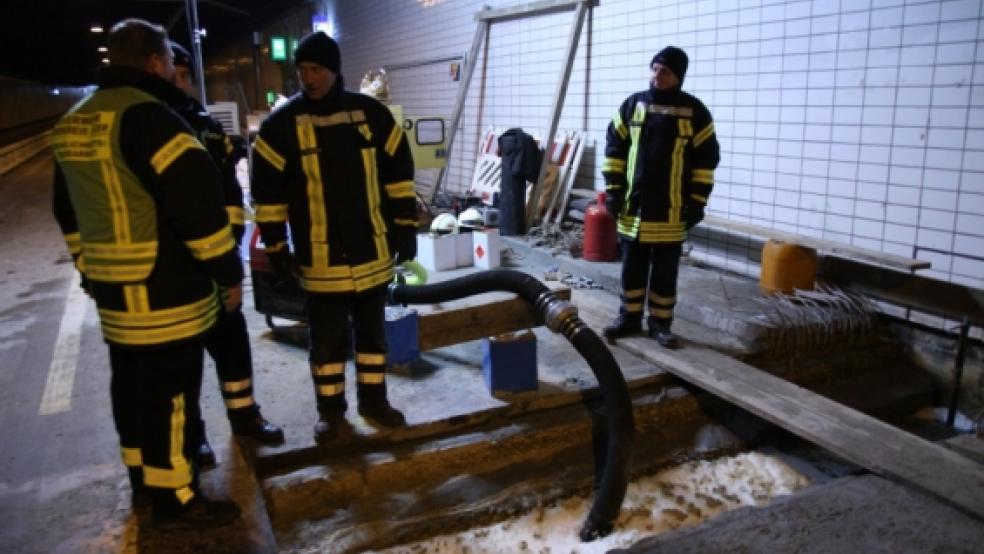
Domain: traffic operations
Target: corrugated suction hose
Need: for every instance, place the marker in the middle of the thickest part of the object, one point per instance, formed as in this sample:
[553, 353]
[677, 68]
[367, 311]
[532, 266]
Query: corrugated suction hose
[612, 426]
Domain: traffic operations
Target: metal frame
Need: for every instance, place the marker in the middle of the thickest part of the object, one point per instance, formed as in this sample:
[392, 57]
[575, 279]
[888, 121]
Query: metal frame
[485, 18]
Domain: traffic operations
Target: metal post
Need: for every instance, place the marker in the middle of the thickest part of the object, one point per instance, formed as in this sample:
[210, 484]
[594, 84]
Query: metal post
[196, 44]
[958, 372]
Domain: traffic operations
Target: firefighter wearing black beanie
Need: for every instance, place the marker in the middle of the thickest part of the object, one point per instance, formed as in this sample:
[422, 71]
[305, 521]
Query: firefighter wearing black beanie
[660, 156]
[321, 49]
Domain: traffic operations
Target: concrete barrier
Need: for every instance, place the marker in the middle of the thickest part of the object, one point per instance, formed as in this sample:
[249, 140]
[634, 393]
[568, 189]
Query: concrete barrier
[14, 154]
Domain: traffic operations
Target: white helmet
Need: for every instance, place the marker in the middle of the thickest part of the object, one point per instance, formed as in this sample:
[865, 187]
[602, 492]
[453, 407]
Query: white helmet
[471, 218]
[443, 223]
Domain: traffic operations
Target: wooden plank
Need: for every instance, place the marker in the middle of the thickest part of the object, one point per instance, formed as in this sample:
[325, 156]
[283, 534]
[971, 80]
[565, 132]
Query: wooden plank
[478, 317]
[558, 106]
[922, 293]
[572, 176]
[857, 437]
[862, 439]
[528, 9]
[884, 258]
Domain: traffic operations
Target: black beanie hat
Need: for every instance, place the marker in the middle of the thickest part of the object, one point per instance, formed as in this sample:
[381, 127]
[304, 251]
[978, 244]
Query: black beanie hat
[321, 49]
[673, 58]
[181, 56]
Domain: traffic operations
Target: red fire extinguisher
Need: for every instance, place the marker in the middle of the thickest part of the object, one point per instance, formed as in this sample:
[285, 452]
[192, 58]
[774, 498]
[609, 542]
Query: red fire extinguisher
[600, 241]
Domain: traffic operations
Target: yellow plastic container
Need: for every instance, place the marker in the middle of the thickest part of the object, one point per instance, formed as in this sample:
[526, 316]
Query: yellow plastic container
[786, 267]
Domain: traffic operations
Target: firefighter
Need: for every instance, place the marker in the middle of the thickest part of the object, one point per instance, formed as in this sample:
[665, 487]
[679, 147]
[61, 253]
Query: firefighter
[659, 165]
[228, 343]
[139, 203]
[338, 167]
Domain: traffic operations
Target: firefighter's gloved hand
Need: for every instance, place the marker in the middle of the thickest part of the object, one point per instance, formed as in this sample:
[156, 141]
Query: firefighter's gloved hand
[694, 214]
[404, 245]
[283, 265]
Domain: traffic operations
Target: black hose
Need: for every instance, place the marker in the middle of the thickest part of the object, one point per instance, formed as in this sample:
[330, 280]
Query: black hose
[612, 423]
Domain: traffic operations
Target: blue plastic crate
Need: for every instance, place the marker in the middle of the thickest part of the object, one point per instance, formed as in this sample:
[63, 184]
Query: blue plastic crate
[509, 362]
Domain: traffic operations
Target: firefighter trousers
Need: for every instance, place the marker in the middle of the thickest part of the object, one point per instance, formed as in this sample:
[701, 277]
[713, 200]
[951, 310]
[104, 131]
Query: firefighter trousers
[228, 345]
[649, 272]
[155, 408]
[329, 321]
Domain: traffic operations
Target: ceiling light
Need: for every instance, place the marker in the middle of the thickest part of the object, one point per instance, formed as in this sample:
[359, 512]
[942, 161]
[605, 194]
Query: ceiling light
[102, 49]
[96, 28]
[106, 61]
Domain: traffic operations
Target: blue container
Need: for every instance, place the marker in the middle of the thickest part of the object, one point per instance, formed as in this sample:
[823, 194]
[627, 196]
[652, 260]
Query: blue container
[402, 341]
[509, 362]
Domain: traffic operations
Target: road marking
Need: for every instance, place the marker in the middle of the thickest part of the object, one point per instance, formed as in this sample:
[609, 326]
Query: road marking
[57, 395]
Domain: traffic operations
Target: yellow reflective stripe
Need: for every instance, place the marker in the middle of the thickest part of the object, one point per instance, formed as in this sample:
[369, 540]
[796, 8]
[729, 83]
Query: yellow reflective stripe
[676, 179]
[237, 216]
[372, 191]
[372, 378]
[171, 151]
[679, 111]
[117, 201]
[184, 494]
[632, 307]
[212, 246]
[131, 457]
[393, 142]
[348, 278]
[333, 389]
[659, 232]
[74, 242]
[634, 293]
[370, 359]
[324, 370]
[699, 198]
[180, 473]
[136, 298]
[661, 312]
[405, 222]
[228, 145]
[704, 134]
[705, 176]
[116, 274]
[402, 189]
[118, 251]
[619, 126]
[163, 316]
[628, 225]
[271, 213]
[160, 335]
[308, 143]
[236, 386]
[355, 116]
[662, 300]
[684, 128]
[269, 154]
[639, 117]
[238, 403]
[613, 165]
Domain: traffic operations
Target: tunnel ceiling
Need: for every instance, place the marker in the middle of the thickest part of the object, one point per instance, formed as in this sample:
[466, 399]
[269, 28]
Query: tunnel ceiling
[49, 41]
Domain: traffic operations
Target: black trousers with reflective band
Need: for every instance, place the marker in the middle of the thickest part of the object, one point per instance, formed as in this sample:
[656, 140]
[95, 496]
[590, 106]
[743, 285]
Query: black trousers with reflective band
[332, 318]
[155, 408]
[228, 345]
[650, 269]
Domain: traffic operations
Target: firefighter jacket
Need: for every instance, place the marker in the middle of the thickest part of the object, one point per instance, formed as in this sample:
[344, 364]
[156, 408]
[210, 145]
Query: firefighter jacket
[212, 136]
[340, 170]
[660, 157]
[139, 203]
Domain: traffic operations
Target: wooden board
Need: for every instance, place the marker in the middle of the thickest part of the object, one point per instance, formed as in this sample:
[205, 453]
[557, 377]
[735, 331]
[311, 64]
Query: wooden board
[863, 440]
[884, 258]
[477, 317]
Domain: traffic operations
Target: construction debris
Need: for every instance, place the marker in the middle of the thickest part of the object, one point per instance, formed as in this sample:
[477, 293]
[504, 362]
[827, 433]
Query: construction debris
[566, 237]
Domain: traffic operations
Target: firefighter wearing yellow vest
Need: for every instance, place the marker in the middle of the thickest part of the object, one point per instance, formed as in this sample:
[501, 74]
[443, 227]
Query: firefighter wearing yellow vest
[139, 203]
[659, 165]
[228, 343]
[338, 167]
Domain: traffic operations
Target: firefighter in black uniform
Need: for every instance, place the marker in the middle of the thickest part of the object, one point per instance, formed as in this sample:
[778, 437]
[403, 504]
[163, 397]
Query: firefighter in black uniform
[139, 203]
[228, 343]
[338, 167]
[659, 169]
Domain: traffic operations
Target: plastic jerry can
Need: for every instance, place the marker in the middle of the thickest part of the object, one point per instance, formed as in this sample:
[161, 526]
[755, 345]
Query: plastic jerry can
[786, 267]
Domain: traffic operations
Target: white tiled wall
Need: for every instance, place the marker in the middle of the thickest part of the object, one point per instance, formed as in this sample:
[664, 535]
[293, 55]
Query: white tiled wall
[860, 121]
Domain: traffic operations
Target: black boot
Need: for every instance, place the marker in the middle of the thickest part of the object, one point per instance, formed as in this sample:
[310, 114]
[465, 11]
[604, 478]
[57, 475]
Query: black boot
[206, 456]
[200, 514]
[329, 426]
[379, 412]
[250, 423]
[661, 332]
[623, 326]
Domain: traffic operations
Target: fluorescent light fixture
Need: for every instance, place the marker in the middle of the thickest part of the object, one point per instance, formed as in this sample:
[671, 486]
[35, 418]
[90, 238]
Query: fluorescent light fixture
[96, 28]
[103, 49]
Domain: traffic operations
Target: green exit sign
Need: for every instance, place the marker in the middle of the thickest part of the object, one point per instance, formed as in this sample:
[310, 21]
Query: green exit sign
[278, 49]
